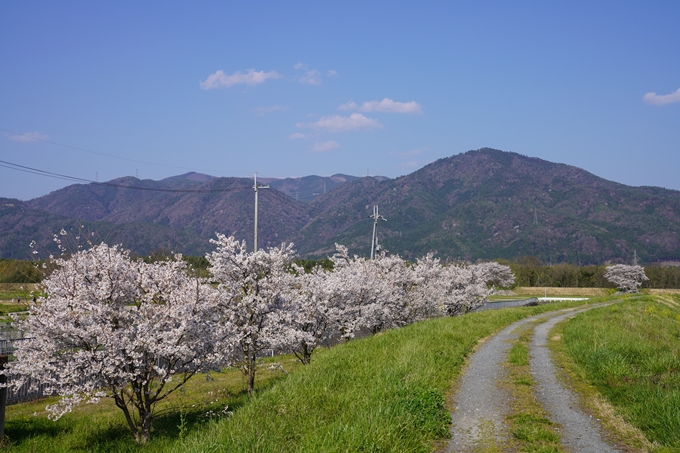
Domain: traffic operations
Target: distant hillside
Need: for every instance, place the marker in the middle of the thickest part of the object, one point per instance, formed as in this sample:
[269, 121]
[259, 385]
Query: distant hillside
[490, 204]
[480, 204]
[307, 188]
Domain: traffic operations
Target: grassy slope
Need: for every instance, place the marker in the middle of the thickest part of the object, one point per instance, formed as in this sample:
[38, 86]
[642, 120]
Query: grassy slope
[630, 352]
[385, 393]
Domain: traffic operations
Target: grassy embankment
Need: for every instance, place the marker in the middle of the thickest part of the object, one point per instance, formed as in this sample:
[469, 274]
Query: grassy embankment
[383, 393]
[625, 360]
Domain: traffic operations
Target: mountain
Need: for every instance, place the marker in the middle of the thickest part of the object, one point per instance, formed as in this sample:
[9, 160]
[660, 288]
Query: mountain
[308, 188]
[184, 212]
[489, 204]
[482, 204]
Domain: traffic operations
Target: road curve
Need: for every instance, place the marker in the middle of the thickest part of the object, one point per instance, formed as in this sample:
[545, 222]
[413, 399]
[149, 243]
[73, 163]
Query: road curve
[580, 432]
[481, 405]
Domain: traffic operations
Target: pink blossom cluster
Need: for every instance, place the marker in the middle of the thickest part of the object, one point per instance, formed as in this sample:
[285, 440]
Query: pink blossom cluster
[117, 327]
[627, 279]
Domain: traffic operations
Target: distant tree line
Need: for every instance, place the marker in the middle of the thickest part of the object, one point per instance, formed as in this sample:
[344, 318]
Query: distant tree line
[19, 271]
[529, 271]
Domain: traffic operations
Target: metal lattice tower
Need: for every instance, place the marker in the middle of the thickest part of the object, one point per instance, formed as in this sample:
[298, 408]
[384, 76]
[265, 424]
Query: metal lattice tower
[374, 240]
[257, 189]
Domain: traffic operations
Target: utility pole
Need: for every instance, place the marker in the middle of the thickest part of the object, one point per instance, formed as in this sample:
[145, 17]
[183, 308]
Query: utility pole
[257, 190]
[535, 216]
[634, 257]
[374, 240]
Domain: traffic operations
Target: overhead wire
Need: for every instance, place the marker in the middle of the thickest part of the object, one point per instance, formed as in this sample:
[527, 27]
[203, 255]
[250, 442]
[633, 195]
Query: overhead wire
[44, 140]
[40, 172]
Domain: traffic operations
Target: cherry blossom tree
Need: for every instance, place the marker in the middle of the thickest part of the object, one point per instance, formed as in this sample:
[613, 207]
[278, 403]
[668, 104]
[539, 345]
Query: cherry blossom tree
[254, 293]
[309, 320]
[357, 293]
[464, 287]
[626, 278]
[383, 293]
[112, 327]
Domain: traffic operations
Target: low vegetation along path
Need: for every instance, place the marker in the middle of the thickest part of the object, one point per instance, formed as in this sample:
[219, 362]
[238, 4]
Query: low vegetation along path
[485, 406]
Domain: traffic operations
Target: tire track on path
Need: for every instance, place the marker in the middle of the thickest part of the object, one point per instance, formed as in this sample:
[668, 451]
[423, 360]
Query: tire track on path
[482, 405]
[580, 432]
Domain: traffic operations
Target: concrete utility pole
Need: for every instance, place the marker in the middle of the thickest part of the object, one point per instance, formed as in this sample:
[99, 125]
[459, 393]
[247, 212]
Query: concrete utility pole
[634, 257]
[257, 189]
[374, 240]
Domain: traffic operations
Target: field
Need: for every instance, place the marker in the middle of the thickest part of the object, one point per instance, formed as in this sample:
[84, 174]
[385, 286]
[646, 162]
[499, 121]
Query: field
[9, 297]
[560, 292]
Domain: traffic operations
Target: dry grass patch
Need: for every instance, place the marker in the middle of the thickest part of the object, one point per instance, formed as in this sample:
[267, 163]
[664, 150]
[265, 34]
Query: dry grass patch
[561, 292]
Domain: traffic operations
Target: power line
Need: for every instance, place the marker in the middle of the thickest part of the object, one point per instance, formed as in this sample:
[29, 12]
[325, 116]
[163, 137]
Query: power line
[37, 171]
[31, 137]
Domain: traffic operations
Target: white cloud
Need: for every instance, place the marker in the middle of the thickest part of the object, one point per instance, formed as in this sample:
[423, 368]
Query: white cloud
[27, 137]
[322, 147]
[261, 111]
[662, 99]
[332, 73]
[252, 77]
[386, 105]
[312, 77]
[297, 136]
[351, 105]
[337, 123]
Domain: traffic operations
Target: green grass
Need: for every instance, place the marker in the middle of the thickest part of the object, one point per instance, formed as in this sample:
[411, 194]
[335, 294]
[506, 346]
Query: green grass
[102, 427]
[630, 352]
[385, 393]
[528, 422]
[519, 354]
[7, 308]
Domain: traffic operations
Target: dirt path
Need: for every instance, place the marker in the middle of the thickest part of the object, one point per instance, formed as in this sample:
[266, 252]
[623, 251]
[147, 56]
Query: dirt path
[580, 432]
[481, 405]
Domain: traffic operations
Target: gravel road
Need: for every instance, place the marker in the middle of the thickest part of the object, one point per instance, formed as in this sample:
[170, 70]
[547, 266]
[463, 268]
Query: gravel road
[580, 432]
[481, 406]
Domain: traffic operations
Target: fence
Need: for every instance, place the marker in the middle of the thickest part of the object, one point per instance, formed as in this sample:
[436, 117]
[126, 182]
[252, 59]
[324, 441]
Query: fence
[24, 393]
[9, 335]
[507, 303]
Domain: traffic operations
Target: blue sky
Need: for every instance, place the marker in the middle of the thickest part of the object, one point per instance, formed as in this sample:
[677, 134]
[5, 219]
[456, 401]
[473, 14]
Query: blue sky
[298, 88]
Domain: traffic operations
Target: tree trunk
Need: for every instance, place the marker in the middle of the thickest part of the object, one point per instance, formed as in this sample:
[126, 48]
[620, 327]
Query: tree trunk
[250, 372]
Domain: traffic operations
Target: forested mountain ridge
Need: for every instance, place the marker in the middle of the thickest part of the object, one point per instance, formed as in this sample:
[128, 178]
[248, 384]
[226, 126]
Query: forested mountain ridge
[489, 203]
[480, 204]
